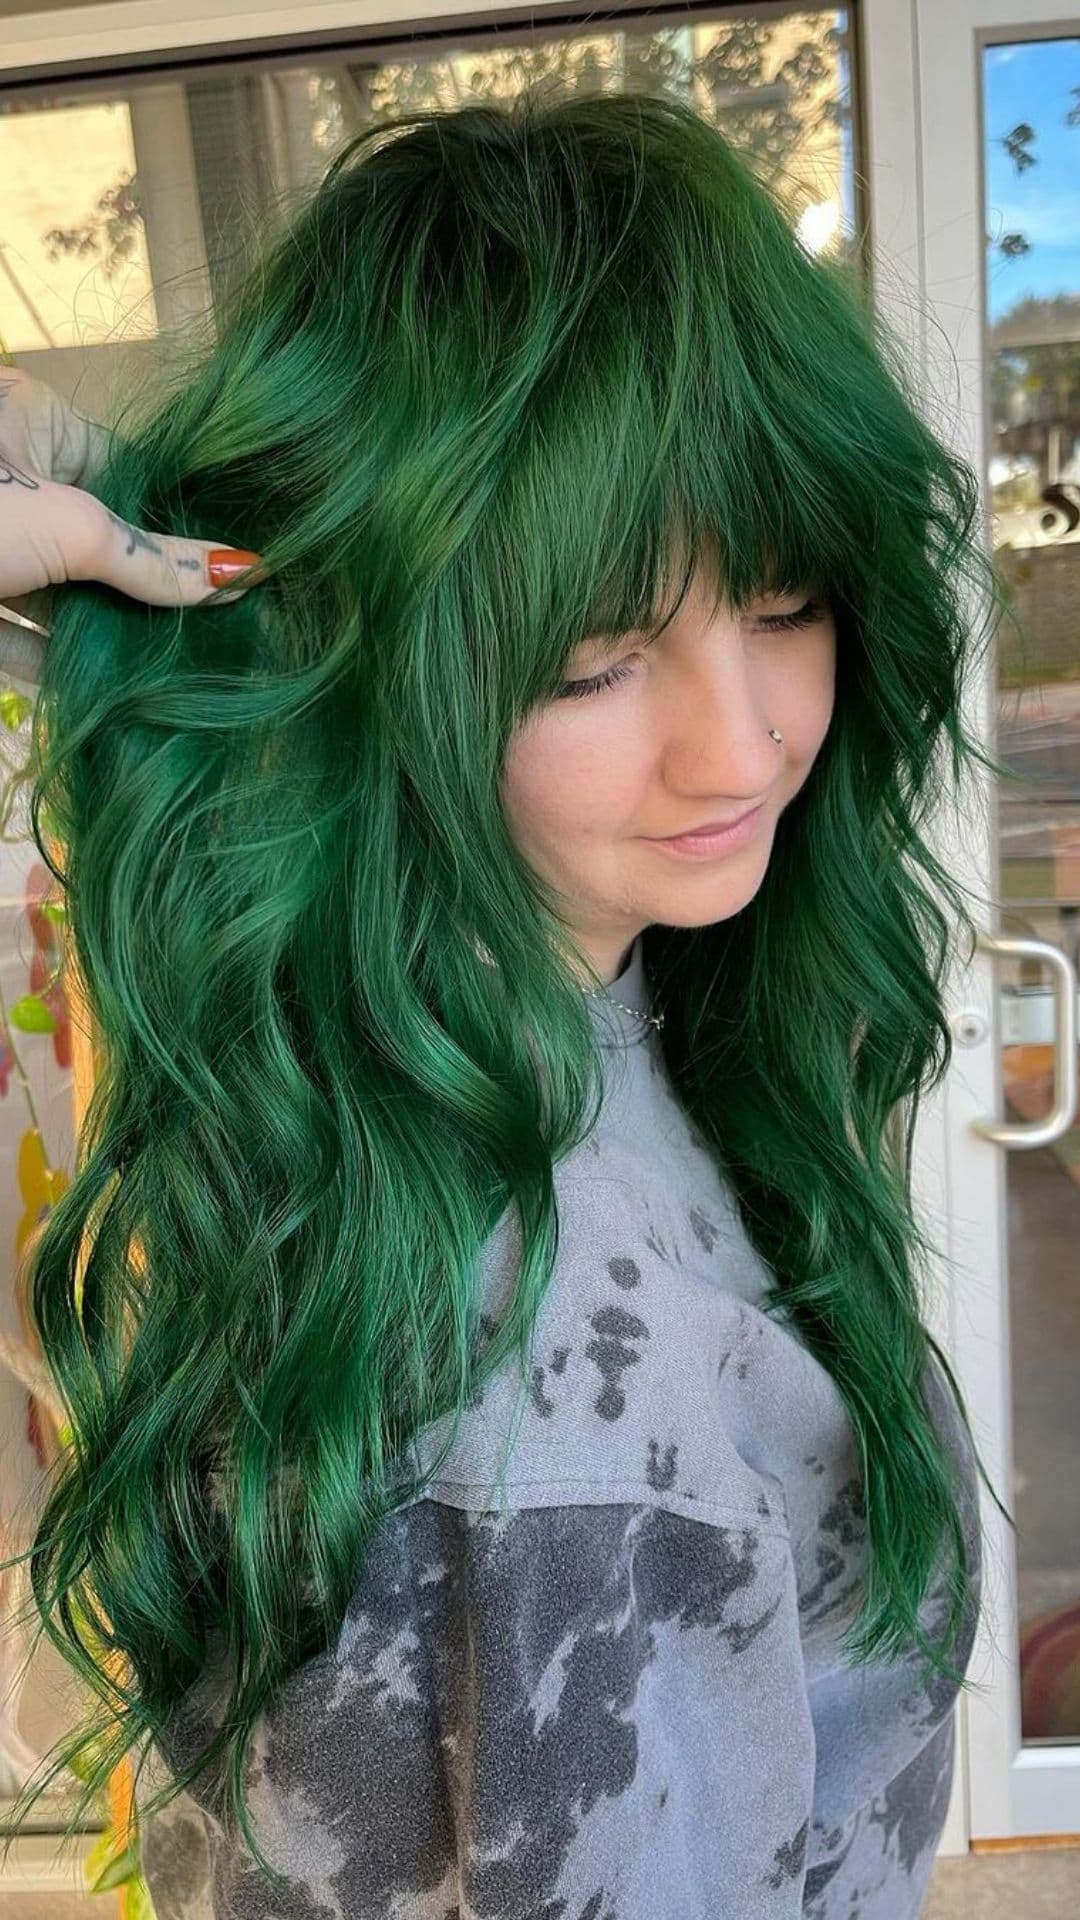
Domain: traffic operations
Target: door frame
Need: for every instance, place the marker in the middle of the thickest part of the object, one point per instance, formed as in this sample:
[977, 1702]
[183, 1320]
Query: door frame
[892, 135]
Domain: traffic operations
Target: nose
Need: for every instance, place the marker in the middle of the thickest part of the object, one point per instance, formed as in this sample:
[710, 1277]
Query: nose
[718, 745]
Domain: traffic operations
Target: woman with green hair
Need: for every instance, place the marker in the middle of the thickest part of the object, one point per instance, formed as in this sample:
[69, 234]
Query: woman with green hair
[508, 1451]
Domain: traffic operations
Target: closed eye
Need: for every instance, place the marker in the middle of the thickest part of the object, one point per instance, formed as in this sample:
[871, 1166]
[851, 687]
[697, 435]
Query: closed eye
[804, 616]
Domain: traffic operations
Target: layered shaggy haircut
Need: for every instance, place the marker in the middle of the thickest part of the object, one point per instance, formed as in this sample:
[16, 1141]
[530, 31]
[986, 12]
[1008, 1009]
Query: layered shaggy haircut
[506, 378]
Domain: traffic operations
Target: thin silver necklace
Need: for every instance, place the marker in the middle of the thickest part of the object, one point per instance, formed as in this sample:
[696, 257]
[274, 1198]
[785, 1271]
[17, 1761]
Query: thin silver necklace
[654, 1019]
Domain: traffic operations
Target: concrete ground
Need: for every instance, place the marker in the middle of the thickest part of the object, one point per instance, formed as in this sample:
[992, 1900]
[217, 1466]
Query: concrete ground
[1043, 1884]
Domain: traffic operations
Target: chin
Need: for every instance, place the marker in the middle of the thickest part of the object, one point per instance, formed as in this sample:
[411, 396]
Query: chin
[689, 913]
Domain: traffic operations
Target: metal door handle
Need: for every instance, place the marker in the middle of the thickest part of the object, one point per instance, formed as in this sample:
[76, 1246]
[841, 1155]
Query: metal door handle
[1039, 1133]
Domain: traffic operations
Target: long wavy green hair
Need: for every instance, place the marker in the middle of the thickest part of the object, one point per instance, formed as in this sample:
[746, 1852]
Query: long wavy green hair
[507, 378]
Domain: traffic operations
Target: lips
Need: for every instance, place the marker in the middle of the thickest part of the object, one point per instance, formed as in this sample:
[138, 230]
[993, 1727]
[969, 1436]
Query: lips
[711, 826]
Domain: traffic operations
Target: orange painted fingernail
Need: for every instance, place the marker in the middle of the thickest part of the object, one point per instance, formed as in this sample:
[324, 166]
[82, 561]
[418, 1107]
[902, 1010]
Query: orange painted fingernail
[224, 563]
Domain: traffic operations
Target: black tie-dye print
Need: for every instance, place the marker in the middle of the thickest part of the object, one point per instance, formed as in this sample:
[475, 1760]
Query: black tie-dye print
[607, 1684]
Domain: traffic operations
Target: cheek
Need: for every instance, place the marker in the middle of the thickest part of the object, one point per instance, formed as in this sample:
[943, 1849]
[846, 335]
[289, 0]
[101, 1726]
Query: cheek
[551, 784]
[802, 706]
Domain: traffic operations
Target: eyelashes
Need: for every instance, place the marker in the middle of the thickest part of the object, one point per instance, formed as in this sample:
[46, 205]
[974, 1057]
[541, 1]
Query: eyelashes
[805, 616]
[580, 689]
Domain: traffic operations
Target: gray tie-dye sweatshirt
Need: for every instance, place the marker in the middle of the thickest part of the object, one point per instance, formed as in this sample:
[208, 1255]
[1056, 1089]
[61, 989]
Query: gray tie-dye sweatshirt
[611, 1689]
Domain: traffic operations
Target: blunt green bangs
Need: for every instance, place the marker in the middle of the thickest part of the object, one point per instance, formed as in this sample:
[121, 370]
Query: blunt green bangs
[509, 376]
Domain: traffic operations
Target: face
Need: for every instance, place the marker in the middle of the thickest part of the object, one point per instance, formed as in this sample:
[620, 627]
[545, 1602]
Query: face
[678, 738]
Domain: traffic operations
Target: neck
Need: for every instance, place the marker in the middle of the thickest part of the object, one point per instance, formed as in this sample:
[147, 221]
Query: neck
[610, 963]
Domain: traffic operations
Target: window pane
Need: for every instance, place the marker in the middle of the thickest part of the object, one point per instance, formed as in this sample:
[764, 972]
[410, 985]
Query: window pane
[128, 206]
[1033, 409]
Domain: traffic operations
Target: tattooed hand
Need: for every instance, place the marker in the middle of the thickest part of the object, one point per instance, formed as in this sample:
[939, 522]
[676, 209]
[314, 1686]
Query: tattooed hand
[53, 530]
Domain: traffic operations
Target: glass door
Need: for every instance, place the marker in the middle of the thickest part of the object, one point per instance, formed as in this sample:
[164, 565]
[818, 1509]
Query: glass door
[999, 220]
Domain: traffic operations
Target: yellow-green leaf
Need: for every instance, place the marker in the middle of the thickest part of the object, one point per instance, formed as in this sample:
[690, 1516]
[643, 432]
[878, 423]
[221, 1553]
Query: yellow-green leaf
[116, 1871]
[31, 1015]
[14, 708]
